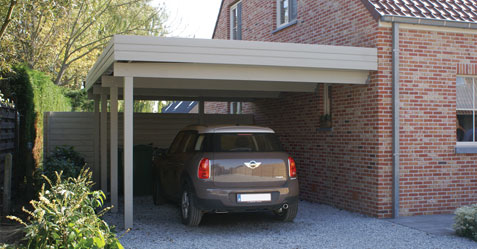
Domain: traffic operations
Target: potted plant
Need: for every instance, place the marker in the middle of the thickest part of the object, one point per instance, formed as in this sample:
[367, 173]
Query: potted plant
[325, 121]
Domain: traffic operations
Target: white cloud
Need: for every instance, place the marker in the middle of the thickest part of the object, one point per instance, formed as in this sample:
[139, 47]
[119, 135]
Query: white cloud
[191, 18]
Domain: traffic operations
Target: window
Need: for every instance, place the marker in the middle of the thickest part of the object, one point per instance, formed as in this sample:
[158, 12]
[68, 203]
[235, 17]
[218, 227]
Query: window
[235, 107]
[189, 142]
[246, 142]
[466, 88]
[236, 21]
[286, 11]
[175, 146]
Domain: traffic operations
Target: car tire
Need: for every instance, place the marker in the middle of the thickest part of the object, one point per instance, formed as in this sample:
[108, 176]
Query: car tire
[287, 215]
[157, 194]
[190, 214]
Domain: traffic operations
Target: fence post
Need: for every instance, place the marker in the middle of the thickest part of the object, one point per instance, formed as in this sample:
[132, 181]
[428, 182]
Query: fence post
[7, 184]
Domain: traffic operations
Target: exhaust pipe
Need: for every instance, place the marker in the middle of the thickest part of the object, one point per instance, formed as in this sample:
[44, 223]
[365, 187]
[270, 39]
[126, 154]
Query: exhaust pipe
[285, 206]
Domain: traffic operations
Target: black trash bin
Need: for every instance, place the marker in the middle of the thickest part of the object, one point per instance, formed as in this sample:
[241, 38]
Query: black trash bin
[142, 170]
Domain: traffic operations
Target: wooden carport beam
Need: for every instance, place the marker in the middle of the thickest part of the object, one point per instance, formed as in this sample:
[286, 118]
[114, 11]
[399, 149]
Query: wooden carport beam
[236, 72]
[216, 85]
[187, 94]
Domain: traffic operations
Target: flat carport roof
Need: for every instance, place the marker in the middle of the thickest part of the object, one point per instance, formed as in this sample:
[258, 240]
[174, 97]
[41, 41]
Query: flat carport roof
[154, 68]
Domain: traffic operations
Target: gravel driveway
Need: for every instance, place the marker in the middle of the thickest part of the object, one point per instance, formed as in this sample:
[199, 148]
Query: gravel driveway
[316, 226]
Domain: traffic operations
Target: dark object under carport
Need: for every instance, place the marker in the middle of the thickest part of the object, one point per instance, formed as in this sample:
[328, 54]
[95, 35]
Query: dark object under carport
[142, 170]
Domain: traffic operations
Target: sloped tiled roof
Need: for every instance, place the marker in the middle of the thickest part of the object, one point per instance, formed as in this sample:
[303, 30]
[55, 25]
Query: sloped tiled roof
[446, 10]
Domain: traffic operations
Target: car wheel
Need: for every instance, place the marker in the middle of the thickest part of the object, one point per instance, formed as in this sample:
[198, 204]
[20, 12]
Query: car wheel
[288, 214]
[190, 214]
[157, 194]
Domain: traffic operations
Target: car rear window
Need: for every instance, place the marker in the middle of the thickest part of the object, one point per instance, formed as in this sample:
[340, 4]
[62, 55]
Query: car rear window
[245, 142]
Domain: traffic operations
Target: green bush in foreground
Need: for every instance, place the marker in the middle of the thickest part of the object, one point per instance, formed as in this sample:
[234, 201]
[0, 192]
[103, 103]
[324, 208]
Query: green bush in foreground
[466, 221]
[64, 216]
[63, 159]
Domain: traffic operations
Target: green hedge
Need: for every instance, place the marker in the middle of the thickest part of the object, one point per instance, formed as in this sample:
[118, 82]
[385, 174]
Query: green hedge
[34, 93]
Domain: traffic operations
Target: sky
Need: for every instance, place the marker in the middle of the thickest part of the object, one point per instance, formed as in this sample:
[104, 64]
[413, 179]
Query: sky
[191, 18]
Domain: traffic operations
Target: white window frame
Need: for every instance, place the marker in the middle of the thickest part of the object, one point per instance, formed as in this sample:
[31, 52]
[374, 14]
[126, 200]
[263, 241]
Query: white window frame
[290, 14]
[231, 10]
[235, 107]
[474, 112]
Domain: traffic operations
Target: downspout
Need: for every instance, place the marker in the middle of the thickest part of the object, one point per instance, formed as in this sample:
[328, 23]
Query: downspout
[396, 146]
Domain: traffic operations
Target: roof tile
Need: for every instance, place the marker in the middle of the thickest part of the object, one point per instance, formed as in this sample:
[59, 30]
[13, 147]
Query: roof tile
[450, 10]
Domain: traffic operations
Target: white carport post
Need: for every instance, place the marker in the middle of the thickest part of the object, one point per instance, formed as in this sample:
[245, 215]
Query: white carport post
[114, 146]
[97, 153]
[104, 148]
[128, 151]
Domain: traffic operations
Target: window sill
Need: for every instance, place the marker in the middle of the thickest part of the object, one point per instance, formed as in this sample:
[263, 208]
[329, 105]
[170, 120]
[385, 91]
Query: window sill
[284, 26]
[466, 149]
[324, 129]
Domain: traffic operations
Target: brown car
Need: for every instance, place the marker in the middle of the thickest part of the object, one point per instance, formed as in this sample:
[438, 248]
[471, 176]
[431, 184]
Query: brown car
[226, 168]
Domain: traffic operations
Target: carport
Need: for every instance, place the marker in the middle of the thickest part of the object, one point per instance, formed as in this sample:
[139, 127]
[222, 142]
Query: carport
[153, 68]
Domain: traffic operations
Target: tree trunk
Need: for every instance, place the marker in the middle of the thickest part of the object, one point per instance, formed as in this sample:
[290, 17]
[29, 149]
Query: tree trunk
[8, 18]
[60, 74]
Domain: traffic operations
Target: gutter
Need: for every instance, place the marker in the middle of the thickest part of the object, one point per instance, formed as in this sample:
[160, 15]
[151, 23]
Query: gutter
[429, 22]
[396, 120]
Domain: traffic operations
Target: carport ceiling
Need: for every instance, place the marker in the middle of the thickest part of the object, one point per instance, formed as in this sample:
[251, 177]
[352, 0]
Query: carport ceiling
[178, 68]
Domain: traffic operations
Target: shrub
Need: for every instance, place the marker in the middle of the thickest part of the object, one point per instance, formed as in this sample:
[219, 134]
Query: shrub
[466, 221]
[64, 159]
[80, 101]
[64, 216]
[33, 93]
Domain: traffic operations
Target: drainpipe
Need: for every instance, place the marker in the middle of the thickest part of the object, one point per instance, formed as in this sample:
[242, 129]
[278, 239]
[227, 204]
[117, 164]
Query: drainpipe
[395, 77]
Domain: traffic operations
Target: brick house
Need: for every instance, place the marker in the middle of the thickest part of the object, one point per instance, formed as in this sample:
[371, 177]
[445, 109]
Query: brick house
[351, 165]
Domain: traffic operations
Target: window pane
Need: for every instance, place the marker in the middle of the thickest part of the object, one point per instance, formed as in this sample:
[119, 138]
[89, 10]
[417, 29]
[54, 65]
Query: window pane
[253, 142]
[284, 11]
[177, 142]
[293, 9]
[464, 93]
[463, 125]
[469, 133]
[234, 23]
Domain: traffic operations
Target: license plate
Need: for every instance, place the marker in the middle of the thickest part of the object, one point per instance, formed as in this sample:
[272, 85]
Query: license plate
[254, 197]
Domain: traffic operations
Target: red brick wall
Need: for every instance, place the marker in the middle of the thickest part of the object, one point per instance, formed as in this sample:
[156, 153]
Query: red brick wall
[216, 107]
[338, 167]
[351, 166]
[434, 179]
[339, 22]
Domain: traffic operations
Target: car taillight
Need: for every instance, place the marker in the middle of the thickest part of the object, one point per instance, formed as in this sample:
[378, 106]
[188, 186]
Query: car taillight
[204, 169]
[291, 167]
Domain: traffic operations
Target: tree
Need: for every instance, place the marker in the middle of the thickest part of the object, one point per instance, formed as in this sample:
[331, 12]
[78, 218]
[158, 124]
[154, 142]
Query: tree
[8, 18]
[93, 23]
[64, 38]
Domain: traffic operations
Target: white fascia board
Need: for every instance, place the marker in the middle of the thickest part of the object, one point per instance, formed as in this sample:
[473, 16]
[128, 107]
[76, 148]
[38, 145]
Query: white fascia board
[180, 50]
[105, 61]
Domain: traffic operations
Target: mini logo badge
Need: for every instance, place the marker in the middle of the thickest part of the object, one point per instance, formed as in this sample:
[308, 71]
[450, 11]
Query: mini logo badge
[252, 164]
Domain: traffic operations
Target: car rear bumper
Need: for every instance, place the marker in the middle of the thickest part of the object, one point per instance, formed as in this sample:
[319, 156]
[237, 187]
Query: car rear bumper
[225, 200]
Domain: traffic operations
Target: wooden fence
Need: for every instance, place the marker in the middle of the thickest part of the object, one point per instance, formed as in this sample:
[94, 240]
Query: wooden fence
[8, 135]
[77, 129]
